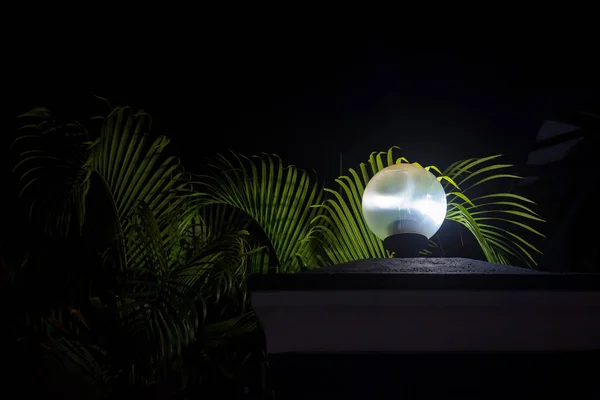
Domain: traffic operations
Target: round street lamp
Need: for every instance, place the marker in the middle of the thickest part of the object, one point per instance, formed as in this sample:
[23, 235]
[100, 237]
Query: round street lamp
[404, 205]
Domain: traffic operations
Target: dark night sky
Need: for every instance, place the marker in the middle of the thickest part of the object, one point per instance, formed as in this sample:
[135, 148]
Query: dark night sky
[308, 94]
[308, 97]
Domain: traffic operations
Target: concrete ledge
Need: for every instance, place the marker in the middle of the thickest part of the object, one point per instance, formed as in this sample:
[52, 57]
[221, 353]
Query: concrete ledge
[344, 309]
[425, 265]
[428, 321]
[424, 274]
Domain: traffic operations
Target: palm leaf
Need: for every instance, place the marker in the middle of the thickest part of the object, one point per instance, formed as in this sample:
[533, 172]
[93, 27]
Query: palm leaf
[89, 359]
[213, 220]
[163, 300]
[276, 198]
[119, 153]
[53, 168]
[346, 236]
[341, 227]
[492, 217]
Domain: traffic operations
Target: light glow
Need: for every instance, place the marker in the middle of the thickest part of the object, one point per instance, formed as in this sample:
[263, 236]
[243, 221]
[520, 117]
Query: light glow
[404, 198]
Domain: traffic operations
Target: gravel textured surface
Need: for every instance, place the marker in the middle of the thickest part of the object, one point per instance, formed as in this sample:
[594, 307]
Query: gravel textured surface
[422, 266]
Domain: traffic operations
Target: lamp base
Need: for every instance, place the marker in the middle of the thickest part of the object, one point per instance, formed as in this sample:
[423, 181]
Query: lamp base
[405, 245]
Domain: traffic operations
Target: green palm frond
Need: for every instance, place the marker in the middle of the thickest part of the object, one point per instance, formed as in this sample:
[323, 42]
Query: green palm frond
[276, 198]
[133, 166]
[492, 217]
[341, 226]
[213, 220]
[164, 294]
[89, 359]
[164, 300]
[346, 236]
[59, 159]
[53, 168]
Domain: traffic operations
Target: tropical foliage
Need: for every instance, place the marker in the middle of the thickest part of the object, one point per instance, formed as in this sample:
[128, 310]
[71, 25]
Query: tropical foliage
[148, 267]
[277, 203]
[139, 275]
[346, 236]
[326, 226]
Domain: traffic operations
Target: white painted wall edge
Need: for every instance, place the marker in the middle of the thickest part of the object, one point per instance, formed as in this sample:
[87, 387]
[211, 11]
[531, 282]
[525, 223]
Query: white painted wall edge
[428, 321]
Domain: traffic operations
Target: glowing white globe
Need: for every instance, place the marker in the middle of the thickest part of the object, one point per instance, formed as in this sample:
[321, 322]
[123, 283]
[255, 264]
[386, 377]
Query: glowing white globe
[404, 198]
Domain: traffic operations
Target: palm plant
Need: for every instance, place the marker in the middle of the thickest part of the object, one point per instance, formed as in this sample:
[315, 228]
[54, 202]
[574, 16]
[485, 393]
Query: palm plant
[131, 212]
[305, 226]
[345, 236]
[166, 255]
[276, 204]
